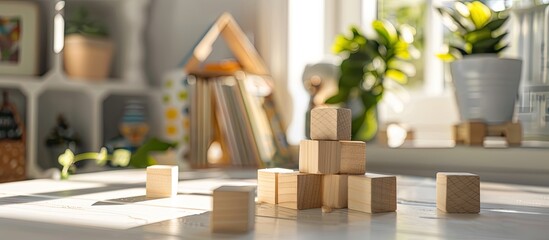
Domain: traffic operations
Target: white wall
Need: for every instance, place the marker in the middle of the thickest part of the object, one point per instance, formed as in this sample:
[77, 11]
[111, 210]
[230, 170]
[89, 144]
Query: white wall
[175, 26]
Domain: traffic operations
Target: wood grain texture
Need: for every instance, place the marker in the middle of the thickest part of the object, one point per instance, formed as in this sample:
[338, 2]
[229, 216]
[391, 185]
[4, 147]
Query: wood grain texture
[319, 157]
[267, 184]
[233, 209]
[334, 191]
[473, 133]
[330, 124]
[470, 133]
[513, 133]
[244, 51]
[299, 190]
[162, 181]
[352, 157]
[458, 192]
[372, 193]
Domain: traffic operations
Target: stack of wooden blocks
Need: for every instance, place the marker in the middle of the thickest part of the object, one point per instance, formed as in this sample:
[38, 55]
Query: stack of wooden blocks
[331, 171]
[332, 174]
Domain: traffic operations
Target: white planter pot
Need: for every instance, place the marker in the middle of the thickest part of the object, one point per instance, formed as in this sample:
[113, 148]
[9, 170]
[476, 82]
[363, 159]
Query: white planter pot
[486, 87]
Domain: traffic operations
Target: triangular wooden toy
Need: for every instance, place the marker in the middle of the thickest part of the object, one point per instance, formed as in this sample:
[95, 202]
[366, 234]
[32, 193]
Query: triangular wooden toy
[237, 41]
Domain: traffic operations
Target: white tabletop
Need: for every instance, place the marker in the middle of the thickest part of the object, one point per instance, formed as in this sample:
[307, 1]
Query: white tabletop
[112, 205]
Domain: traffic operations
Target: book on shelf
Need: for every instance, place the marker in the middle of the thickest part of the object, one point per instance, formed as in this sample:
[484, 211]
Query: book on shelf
[236, 113]
[232, 109]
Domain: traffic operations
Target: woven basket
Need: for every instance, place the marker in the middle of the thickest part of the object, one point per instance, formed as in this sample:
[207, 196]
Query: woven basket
[12, 160]
[12, 151]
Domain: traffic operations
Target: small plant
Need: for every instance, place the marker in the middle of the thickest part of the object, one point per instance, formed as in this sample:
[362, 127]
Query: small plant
[478, 29]
[367, 63]
[81, 23]
[120, 157]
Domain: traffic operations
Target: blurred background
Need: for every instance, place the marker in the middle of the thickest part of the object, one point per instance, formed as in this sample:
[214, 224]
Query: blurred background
[87, 74]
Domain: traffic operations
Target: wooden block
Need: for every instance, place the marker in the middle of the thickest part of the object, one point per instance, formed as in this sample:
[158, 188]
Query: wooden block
[372, 193]
[162, 181]
[334, 191]
[458, 192]
[267, 184]
[352, 157]
[471, 133]
[513, 134]
[299, 190]
[456, 133]
[331, 124]
[233, 209]
[319, 156]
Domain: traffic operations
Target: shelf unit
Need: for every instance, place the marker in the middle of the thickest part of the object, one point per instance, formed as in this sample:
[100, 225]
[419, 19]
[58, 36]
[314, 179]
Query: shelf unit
[92, 108]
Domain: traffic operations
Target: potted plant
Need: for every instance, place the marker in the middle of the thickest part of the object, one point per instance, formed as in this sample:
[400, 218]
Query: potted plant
[88, 50]
[368, 67]
[486, 85]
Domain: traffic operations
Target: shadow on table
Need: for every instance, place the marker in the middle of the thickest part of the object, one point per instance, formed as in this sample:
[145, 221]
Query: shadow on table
[122, 201]
[44, 196]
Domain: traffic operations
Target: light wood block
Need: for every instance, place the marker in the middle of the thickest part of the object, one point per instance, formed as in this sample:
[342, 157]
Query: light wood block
[458, 192]
[470, 133]
[473, 133]
[331, 124]
[334, 191]
[512, 131]
[267, 184]
[353, 157]
[321, 157]
[372, 193]
[162, 181]
[233, 209]
[299, 190]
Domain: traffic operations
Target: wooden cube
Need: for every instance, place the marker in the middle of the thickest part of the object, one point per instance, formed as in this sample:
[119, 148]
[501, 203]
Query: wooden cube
[372, 193]
[319, 156]
[458, 192]
[162, 181]
[331, 124]
[267, 184]
[353, 157]
[470, 133]
[233, 209]
[299, 190]
[334, 191]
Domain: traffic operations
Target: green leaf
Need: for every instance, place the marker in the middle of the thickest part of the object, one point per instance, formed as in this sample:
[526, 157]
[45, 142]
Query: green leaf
[66, 159]
[477, 35]
[141, 158]
[386, 31]
[121, 157]
[454, 50]
[480, 13]
[80, 23]
[397, 75]
[356, 124]
[487, 45]
[403, 66]
[462, 9]
[352, 73]
[451, 20]
[366, 125]
[499, 49]
[342, 44]
[369, 99]
[496, 24]
[446, 57]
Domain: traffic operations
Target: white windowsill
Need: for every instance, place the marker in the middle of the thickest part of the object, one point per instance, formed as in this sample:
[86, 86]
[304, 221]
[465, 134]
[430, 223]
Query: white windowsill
[511, 165]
